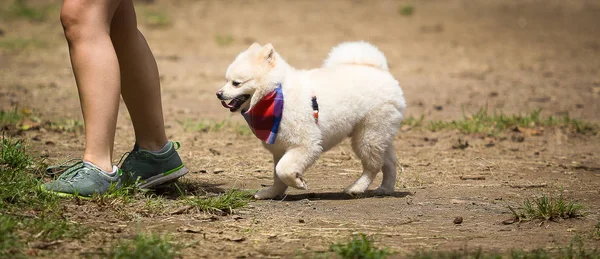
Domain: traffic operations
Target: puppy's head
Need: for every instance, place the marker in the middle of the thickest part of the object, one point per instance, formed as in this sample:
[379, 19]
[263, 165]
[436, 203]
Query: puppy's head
[248, 77]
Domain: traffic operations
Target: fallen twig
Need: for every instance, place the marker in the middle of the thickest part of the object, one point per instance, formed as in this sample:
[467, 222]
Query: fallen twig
[472, 177]
[181, 210]
[535, 185]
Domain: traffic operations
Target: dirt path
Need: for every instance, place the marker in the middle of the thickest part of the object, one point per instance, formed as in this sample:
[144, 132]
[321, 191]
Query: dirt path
[449, 56]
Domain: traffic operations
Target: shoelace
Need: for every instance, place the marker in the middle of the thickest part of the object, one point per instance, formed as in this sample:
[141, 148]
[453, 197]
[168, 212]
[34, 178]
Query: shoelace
[67, 170]
[176, 145]
[122, 157]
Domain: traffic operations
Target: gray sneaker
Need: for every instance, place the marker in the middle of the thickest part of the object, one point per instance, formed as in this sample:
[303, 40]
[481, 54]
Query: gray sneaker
[80, 179]
[152, 169]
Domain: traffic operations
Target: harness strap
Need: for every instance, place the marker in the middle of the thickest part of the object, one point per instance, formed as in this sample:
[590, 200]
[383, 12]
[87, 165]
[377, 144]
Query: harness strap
[315, 107]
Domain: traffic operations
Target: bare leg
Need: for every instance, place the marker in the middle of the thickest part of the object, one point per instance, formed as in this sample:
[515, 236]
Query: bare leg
[278, 188]
[86, 25]
[140, 83]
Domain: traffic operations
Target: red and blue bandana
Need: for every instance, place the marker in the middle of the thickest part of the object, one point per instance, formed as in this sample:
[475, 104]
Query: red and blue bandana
[265, 116]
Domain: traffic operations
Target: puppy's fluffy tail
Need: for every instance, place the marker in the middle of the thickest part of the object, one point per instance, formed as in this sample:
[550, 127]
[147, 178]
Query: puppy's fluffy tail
[356, 53]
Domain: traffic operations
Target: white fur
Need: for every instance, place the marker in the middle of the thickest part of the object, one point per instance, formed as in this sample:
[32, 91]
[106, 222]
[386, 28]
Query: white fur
[358, 53]
[357, 98]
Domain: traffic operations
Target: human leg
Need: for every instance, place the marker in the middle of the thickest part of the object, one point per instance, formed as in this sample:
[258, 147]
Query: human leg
[153, 160]
[140, 84]
[86, 25]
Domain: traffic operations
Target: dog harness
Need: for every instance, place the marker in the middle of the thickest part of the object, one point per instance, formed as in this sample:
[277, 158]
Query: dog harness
[315, 107]
[264, 117]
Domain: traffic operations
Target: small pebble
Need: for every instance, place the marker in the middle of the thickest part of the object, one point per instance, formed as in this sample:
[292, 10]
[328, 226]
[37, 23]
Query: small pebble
[458, 220]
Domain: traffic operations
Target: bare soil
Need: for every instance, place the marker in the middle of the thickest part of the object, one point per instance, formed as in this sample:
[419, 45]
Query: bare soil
[450, 57]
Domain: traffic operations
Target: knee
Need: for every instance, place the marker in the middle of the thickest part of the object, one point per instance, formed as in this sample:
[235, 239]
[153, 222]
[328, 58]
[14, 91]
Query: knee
[73, 19]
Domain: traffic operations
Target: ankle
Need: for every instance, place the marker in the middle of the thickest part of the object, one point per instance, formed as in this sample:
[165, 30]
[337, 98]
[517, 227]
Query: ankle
[152, 146]
[110, 172]
[104, 164]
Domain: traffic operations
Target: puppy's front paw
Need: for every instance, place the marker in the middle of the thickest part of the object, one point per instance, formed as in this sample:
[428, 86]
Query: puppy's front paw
[295, 181]
[300, 184]
[384, 191]
[267, 194]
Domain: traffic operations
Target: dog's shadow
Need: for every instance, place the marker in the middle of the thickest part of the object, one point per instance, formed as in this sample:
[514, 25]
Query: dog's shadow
[184, 187]
[341, 196]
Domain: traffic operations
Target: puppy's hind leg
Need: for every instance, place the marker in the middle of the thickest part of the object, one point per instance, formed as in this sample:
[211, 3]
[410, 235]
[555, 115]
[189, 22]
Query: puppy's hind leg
[389, 172]
[277, 189]
[294, 162]
[371, 139]
[371, 156]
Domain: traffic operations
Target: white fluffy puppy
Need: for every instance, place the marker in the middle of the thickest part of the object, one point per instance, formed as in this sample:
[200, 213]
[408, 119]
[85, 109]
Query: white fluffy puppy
[356, 96]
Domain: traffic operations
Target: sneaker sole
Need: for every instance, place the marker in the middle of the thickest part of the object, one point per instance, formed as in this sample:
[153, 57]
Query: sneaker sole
[164, 178]
[63, 194]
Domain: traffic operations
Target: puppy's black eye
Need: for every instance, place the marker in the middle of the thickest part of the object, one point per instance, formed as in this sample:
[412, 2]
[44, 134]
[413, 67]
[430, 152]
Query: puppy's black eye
[235, 83]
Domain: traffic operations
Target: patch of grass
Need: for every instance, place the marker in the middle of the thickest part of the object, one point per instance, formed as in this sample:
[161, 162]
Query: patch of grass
[10, 117]
[414, 122]
[13, 156]
[19, 188]
[20, 9]
[19, 180]
[24, 119]
[50, 227]
[157, 18]
[224, 203]
[202, 125]
[465, 253]
[360, 246]
[533, 254]
[17, 230]
[214, 126]
[406, 10]
[577, 250]
[65, 125]
[115, 196]
[493, 124]
[574, 250]
[26, 213]
[243, 130]
[19, 44]
[548, 208]
[146, 245]
[223, 39]
[154, 205]
[10, 243]
[596, 232]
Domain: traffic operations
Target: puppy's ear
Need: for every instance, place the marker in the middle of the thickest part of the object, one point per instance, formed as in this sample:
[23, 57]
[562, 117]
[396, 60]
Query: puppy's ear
[268, 52]
[254, 46]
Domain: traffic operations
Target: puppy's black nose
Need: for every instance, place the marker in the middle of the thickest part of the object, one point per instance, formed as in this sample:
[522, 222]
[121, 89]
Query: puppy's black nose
[220, 95]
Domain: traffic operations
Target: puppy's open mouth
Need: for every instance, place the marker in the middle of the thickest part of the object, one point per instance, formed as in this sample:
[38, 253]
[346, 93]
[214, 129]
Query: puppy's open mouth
[235, 103]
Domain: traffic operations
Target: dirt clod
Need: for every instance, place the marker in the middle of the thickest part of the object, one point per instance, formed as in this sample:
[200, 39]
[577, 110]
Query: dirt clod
[461, 145]
[458, 220]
